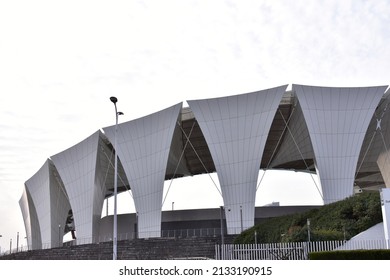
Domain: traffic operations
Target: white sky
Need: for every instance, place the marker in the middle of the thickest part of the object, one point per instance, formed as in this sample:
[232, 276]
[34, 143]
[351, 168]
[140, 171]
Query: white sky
[60, 61]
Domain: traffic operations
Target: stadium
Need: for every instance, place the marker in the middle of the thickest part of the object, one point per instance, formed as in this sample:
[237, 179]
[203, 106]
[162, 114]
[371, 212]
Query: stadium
[338, 133]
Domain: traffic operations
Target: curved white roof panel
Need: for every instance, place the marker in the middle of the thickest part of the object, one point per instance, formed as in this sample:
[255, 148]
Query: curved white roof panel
[337, 120]
[143, 148]
[236, 129]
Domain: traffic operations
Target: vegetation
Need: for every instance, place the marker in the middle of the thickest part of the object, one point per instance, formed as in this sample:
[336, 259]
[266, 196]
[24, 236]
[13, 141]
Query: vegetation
[337, 221]
[351, 255]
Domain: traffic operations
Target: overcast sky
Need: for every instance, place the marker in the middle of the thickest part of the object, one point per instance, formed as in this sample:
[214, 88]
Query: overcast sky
[60, 61]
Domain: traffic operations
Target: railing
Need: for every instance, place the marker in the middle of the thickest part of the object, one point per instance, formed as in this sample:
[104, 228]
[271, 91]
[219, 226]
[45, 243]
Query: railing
[22, 248]
[291, 251]
[191, 232]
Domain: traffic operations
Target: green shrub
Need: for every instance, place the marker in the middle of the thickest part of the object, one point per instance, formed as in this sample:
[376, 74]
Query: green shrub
[336, 221]
[351, 255]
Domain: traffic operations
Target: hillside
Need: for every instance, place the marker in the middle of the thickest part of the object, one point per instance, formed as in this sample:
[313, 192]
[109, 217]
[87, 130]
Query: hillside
[335, 221]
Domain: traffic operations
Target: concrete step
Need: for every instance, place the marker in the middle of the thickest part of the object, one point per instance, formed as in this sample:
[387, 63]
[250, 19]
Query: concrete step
[137, 249]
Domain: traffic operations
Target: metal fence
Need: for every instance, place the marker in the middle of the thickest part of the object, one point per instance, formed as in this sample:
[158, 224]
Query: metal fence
[291, 251]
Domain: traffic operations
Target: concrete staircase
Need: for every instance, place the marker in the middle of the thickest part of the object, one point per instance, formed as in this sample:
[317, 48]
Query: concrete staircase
[138, 249]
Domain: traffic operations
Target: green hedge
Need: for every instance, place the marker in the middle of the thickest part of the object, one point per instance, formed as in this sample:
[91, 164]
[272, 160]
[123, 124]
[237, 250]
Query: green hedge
[351, 255]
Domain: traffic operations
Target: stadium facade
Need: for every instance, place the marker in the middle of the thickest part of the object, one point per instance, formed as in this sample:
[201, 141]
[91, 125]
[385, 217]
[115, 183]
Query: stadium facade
[341, 134]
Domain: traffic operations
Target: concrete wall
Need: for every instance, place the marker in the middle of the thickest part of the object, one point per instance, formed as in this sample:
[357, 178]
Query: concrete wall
[191, 219]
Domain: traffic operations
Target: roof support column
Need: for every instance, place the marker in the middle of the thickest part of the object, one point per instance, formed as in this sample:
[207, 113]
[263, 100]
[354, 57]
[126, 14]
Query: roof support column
[236, 129]
[337, 120]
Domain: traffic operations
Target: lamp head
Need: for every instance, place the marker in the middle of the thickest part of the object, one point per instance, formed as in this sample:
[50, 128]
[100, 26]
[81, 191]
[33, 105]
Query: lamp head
[114, 99]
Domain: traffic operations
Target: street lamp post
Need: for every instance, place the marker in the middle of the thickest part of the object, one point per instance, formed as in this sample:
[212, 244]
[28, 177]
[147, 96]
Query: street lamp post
[115, 232]
[242, 226]
[308, 230]
[221, 208]
[59, 235]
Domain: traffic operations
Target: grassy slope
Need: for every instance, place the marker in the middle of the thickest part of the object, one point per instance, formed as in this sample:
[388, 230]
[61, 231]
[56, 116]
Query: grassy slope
[336, 221]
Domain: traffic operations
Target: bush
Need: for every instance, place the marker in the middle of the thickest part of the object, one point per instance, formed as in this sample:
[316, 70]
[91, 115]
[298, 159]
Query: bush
[337, 221]
[351, 255]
